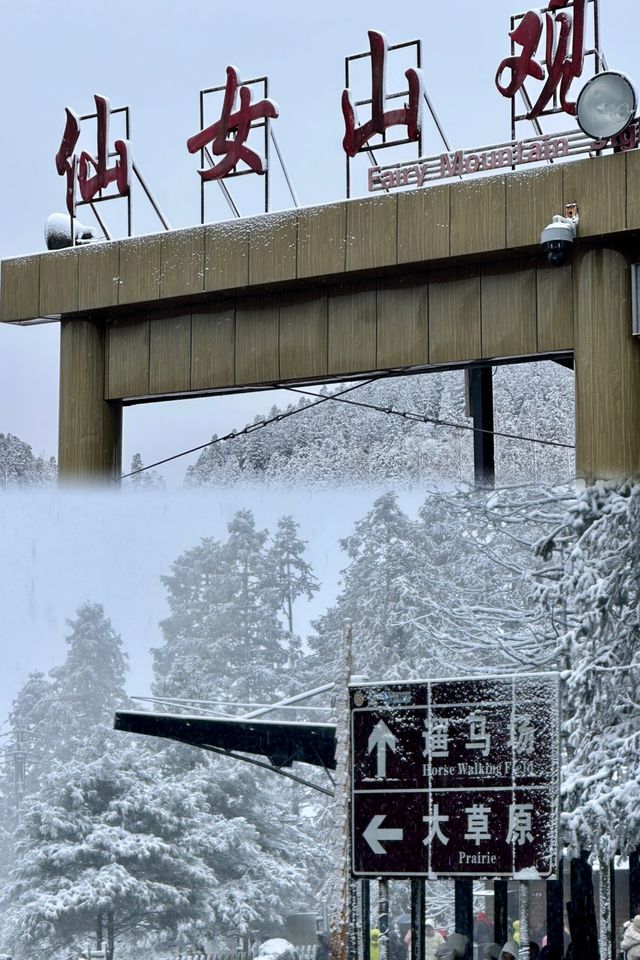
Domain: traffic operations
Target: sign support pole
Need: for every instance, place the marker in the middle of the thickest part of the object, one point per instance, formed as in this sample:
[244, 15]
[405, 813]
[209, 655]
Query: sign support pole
[523, 893]
[417, 918]
[605, 910]
[464, 910]
[500, 911]
[365, 906]
[555, 914]
[383, 917]
[340, 934]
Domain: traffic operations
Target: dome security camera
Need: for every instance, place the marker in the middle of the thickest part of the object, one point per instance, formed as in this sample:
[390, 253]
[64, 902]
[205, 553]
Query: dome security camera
[557, 240]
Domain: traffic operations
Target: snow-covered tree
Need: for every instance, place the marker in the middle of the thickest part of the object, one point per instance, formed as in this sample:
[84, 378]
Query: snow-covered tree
[362, 437]
[143, 479]
[223, 638]
[292, 577]
[20, 468]
[591, 593]
[89, 685]
[378, 596]
[165, 842]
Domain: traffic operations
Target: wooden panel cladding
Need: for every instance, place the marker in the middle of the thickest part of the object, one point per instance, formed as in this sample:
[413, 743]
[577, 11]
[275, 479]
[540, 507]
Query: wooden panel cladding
[273, 249]
[416, 320]
[20, 289]
[352, 329]
[633, 190]
[128, 357]
[532, 201]
[170, 352]
[226, 256]
[303, 340]
[182, 263]
[59, 282]
[555, 308]
[454, 316]
[473, 220]
[403, 323]
[322, 235]
[371, 232]
[139, 274]
[599, 188]
[424, 224]
[257, 341]
[508, 311]
[98, 276]
[213, 338]
[607, 363]
[478, 216]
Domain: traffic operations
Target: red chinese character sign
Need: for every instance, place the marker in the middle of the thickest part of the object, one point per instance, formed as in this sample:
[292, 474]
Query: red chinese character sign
[228, 135]
[549, 48]
[93, 173]
[409, 116]
[456, 778]
[225, 147]
[358, 137]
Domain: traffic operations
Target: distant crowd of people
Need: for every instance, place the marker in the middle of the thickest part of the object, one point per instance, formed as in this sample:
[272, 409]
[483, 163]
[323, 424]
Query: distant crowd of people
[439, 944]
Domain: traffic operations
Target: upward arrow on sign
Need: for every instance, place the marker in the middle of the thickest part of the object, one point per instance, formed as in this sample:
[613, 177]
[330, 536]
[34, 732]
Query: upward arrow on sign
[381, 738]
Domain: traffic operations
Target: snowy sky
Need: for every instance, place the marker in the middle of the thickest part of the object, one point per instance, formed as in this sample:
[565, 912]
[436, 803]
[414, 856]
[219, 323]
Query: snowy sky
[156, 57]
[61, 549]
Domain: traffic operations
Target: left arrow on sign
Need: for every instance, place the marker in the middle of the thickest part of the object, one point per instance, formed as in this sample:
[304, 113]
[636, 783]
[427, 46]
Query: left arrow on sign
[381, 738]
[373, 834]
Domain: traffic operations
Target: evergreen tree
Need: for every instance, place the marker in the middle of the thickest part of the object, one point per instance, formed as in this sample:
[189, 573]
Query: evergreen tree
[590, 589]
[223, 638]
[378, 596]
[89, 686]
[164, 842]
[143, 479]
[20, 468]
[292, 576]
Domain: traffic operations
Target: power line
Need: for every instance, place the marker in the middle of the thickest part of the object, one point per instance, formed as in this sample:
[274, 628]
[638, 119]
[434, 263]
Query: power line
[420, 418]
[249, 429]
[339, 397]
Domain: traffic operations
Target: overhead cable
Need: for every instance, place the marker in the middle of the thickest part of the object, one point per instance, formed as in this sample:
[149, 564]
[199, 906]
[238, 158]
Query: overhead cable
[339, 398]
[420, 418]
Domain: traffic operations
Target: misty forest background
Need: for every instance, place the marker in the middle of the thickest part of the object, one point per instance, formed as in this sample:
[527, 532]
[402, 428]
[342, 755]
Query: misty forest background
[184, 848]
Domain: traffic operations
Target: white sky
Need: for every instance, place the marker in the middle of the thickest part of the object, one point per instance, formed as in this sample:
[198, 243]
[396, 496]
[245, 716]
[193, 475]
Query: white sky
[156, 57]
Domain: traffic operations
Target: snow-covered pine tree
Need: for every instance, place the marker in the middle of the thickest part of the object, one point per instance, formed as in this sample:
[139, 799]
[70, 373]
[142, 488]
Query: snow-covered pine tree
[89, 685]
[223, 639]
[166, 840]
[292, 578]
[591, 594]
[378, 596]
[143, 479]
[20, 468]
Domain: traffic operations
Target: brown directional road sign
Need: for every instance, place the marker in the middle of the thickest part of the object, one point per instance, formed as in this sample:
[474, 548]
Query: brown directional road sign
[456, 778]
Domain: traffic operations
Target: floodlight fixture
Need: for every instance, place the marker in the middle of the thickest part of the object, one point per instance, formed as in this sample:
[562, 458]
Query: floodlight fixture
[606, 105]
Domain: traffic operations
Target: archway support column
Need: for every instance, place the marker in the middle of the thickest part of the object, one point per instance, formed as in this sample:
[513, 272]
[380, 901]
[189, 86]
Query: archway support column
[90, 427]
[607, 366]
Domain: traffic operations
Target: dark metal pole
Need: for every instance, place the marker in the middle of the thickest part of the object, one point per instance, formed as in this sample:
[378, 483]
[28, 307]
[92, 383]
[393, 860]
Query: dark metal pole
[500, 911]
[555, 915]
[480, 404]
[99, 933]
[615, 942]
[383, 918]
[417, 919]
[110, 935]
[634, 883]
[365, 906]
[582, 910]
[464, 911]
